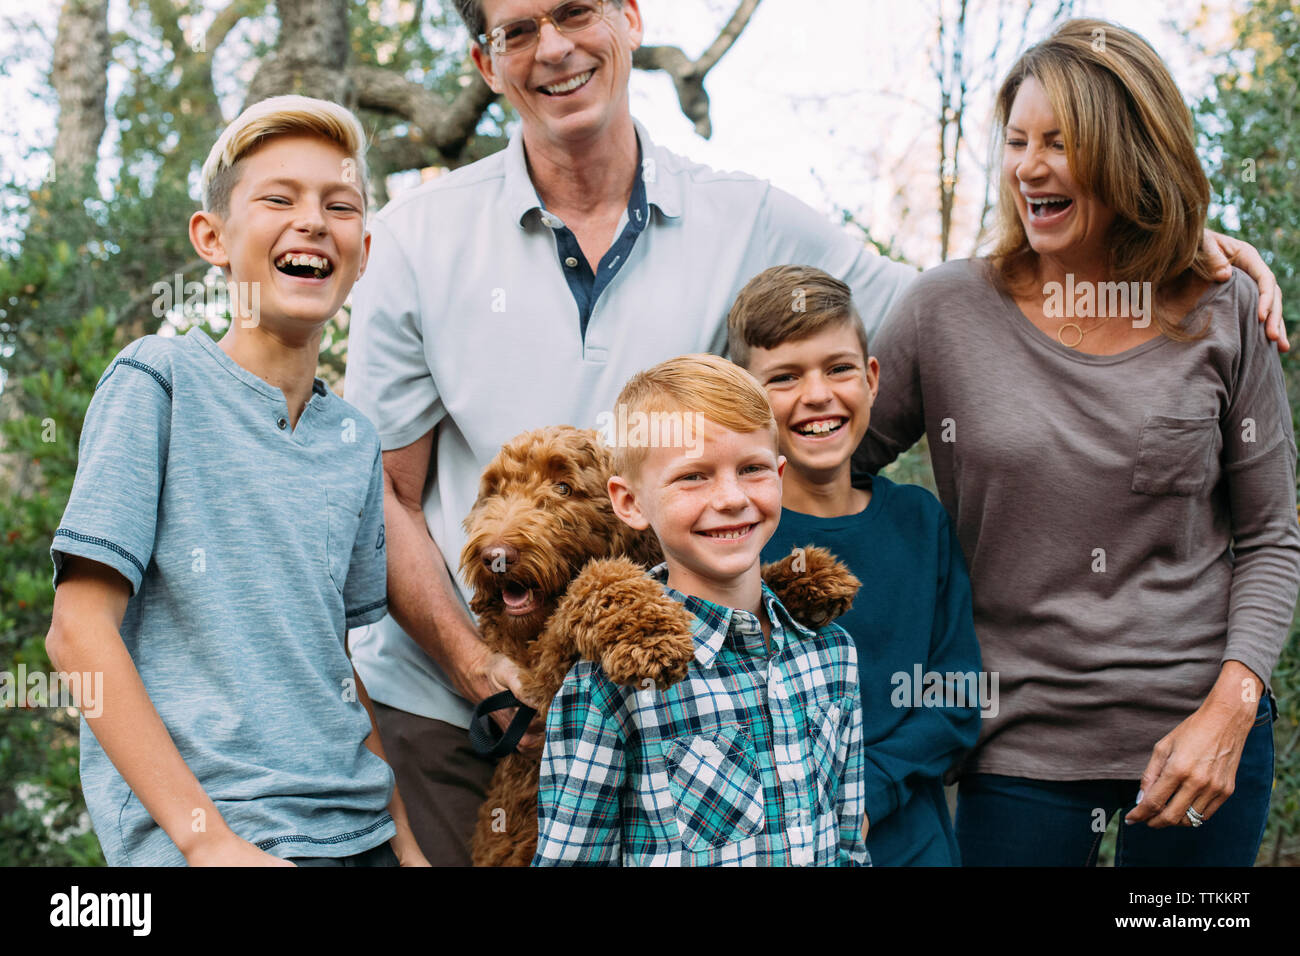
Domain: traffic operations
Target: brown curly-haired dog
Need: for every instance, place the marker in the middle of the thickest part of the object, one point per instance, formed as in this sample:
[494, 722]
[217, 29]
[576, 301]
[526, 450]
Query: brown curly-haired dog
[557, 576]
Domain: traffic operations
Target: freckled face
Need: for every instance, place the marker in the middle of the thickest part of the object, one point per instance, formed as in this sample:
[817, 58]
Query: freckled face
[714, 509]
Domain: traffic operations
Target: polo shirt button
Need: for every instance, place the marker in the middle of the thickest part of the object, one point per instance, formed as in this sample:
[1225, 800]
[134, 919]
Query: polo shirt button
[283, 423]
[571, 262]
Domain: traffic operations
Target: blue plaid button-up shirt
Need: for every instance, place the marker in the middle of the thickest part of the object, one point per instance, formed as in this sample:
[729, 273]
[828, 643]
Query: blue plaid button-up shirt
[755, 758]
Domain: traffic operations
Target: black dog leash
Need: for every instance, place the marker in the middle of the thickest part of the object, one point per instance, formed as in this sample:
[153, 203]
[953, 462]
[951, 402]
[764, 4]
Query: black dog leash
[486, 739]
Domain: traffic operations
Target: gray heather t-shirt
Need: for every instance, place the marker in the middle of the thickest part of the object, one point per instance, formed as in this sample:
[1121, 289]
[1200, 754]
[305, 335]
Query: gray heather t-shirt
[1129, 520]
[250, 548]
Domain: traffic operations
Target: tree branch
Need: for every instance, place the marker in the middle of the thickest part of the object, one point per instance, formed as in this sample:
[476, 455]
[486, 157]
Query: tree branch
[730, 33]
[227, 20]
[446, 126]
[397, 153]
[687, 74]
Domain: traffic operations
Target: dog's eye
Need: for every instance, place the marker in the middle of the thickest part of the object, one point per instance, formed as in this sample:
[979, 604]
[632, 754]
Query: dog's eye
[563, 488]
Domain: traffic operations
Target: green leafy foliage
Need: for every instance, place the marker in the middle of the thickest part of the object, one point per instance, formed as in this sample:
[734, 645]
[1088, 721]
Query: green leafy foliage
[42, 812]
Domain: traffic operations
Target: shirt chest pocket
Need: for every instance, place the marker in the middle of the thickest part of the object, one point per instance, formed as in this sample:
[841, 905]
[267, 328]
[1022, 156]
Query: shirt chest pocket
[1174, 455]
[715, 790]
[343, 520]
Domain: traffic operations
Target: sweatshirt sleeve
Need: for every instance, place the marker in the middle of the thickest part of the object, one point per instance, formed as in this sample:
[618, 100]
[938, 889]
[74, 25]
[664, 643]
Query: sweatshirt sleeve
[1259, 464]
[926, 744]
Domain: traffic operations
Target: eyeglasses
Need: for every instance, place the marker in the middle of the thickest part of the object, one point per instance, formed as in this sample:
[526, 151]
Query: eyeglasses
[519, 35]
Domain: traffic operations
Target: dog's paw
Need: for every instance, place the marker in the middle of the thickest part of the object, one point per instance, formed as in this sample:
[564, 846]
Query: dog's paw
[660, 655]
[622, 619]
[812, 584]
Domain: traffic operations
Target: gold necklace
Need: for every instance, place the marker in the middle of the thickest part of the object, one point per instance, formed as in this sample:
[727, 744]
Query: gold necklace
[1060, 337]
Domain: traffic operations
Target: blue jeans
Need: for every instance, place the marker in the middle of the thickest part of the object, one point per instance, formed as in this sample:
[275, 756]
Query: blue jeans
[1016, 821]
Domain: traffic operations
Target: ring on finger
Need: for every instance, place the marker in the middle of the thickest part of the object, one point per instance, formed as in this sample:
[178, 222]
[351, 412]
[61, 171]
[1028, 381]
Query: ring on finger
[1194, 818]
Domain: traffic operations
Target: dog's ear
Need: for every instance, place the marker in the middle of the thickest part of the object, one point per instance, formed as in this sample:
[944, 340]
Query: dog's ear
[639, 546]
[592, 450]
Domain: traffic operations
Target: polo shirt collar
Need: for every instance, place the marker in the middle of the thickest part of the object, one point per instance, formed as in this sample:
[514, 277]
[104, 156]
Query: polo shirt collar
[662, 190]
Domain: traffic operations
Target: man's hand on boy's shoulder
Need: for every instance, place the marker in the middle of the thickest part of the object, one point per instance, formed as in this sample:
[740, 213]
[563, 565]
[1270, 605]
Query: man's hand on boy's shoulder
[1225, 252]
[229, 849]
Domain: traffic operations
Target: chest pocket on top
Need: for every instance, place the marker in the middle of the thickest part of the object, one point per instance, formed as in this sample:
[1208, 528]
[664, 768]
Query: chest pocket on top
[343, 519]
[714, 786]
[1174, 455]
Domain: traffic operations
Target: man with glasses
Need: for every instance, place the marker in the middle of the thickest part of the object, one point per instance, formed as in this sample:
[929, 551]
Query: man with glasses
[520, 291]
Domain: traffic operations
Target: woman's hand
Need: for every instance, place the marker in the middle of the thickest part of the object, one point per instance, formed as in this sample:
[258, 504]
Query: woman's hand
[1195, 764]
[1225, 252]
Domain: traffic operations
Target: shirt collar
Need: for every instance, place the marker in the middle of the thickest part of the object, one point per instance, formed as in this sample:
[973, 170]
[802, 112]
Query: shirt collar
[660, 189]
[716, 625]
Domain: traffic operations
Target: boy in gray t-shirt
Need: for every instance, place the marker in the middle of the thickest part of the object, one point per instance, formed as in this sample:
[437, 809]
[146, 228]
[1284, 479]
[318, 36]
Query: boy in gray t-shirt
[225, 529]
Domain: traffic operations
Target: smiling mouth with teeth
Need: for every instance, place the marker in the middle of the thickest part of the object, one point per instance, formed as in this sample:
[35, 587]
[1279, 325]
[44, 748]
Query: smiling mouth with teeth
[729, 534]
[823, 426]
[304, 266]
[569, 85]
[1048, 206]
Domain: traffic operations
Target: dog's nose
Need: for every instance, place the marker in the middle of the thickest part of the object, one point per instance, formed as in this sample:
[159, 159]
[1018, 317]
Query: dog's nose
[499, 557]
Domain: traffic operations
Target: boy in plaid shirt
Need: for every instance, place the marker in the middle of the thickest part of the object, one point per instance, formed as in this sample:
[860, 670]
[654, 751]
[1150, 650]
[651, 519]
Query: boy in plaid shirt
[755, 758]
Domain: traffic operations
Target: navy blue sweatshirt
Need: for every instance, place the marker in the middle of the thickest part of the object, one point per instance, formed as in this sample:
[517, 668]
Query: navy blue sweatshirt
[912, 618]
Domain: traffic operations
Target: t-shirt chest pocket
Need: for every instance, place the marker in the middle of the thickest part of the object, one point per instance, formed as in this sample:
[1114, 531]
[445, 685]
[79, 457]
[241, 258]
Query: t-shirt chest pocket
[343, 518]
[1174, 455]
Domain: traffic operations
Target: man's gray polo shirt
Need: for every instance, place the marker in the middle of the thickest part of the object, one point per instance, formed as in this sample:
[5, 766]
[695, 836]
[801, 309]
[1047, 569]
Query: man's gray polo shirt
[464, 323]
[250, 547]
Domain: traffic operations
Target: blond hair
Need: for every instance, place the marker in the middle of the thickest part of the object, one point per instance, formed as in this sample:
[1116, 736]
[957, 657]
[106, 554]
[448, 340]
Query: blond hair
[787, 304]
[1130, 143]
[701, 384]
[279, 116]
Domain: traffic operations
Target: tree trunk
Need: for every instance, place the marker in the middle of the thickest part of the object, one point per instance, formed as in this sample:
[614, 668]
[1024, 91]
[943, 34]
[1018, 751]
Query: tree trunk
[79, 75]
[311, 55]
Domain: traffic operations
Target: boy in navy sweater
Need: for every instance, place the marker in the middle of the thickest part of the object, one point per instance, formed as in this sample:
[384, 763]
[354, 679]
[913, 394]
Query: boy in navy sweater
[794, 328]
